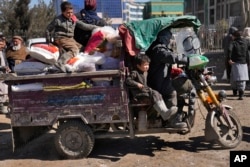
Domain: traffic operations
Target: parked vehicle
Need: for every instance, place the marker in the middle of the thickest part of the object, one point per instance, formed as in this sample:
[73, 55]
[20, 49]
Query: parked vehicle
[33, 41]
[82, 107]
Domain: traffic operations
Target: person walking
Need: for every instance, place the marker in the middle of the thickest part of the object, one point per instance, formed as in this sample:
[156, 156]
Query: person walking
[246, 35]
[225, 45]
[237, 58]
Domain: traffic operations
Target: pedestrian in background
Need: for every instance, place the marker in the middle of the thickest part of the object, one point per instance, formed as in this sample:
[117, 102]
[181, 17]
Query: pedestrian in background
[246, 35]
[16, 52]
[3, 69]
[225, 45]
[237, 58]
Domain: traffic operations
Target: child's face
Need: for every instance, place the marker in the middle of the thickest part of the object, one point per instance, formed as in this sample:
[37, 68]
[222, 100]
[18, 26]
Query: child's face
[68, 13]
[143, 66]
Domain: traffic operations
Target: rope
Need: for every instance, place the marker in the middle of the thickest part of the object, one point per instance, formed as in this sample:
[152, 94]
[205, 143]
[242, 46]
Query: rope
[58, 88]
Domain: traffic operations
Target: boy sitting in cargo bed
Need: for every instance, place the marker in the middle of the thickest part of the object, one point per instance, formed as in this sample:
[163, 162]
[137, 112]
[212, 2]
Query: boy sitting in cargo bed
[64, 27]
[138, 81]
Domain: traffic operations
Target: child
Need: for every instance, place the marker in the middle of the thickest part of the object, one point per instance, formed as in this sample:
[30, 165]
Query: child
[64, 27]
[138, 79]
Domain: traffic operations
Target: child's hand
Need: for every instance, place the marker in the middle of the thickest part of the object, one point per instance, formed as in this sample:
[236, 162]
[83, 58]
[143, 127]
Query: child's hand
[140, 86]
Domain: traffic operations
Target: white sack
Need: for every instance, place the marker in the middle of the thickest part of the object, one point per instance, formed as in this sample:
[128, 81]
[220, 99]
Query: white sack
[46, 53]
[27, 87]
[97, 58]
[79, 65]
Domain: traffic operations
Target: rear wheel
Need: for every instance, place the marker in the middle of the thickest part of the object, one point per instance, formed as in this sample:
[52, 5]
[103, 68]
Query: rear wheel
[229, 137]
[74, 140]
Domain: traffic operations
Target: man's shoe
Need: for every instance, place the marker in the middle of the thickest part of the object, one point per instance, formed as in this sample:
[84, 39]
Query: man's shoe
[240, 98]
[234, 92]
[178, 123]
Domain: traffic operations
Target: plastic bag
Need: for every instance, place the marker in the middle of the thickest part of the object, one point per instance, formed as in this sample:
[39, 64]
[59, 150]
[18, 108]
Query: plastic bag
[110, 34]
[197, 61]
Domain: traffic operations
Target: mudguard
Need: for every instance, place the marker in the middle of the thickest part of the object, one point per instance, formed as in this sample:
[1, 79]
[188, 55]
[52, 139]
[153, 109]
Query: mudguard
[210, 132]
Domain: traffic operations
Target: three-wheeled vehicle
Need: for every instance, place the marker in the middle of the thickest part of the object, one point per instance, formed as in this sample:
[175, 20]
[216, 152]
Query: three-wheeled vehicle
[81, 110]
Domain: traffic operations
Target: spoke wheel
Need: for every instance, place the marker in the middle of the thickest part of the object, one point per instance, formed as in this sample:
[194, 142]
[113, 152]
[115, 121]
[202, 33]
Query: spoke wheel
[229, 137]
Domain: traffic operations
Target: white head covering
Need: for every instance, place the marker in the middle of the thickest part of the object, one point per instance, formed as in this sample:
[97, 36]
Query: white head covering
[246, 32]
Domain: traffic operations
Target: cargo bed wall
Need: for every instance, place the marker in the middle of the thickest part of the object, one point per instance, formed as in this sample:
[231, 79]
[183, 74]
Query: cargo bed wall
[67, 97]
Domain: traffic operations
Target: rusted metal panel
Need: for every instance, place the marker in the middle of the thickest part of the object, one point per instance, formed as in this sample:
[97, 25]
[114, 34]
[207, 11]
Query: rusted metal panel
[97, 104]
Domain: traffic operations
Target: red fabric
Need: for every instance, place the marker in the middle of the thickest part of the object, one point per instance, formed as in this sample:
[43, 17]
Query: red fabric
[72, 60]
[50, 48]
[128, 41]
[95, 40]
[74, 18]
[90, 4]
[176, 72]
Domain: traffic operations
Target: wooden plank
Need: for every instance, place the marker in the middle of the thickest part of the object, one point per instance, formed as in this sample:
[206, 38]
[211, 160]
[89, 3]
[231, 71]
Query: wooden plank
[104, 73]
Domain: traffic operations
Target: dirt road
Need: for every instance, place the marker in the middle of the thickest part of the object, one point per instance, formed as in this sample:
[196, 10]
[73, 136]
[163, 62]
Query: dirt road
[158, 150]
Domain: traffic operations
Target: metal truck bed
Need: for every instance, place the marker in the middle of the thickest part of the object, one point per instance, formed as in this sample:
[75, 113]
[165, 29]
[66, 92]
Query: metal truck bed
[105, 101]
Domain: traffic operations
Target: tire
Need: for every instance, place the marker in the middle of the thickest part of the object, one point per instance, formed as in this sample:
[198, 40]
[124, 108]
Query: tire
[229, 138]
[191, 118]
[74, 140]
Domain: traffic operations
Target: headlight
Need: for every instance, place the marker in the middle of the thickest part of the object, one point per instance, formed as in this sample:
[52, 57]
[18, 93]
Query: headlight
[211, 80]
[221, 95]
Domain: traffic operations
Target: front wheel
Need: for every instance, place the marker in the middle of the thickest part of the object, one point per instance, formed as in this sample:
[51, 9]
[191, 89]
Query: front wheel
[74, 140]
[228, 137]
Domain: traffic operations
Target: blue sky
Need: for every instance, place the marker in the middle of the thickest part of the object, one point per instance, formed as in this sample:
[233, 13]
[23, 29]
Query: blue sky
[32, 2]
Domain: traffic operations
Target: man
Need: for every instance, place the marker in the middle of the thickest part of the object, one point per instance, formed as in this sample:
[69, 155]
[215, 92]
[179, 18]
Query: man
[16, 52]
[3, 68]
[87, 15]
[225, 44]
[159, 74]
[63, 27]
[237, 58]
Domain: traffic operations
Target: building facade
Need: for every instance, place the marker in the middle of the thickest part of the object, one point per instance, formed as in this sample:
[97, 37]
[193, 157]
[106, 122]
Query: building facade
[216, 17]
[209, 12]
[132, 11]
[163, 8]
[108, 9]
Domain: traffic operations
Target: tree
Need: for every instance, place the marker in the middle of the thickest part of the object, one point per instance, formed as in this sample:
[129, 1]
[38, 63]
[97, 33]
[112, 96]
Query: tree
[246, 12]
[23, 16]
[42, 15]
[7, 17]
[17, 17]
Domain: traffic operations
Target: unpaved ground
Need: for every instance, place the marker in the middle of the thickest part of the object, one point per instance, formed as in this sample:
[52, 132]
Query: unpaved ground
[163, 150]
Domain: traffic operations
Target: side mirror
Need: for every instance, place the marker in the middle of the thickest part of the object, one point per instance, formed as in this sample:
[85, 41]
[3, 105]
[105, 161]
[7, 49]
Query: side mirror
[196, 43]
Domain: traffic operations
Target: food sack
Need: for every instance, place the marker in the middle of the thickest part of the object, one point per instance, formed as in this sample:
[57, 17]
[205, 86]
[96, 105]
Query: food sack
[30, 68]
[78, 64]
[27, 87]
[45, 53]
[97, 58]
